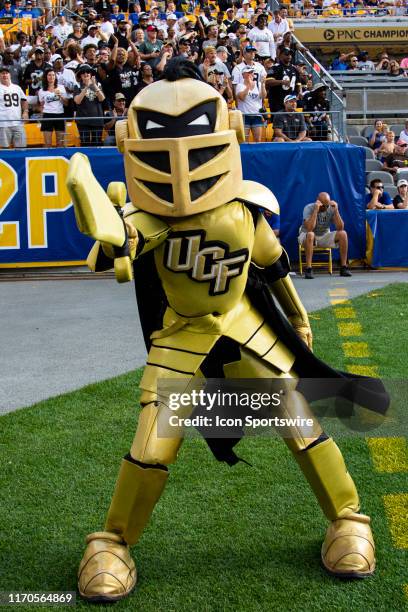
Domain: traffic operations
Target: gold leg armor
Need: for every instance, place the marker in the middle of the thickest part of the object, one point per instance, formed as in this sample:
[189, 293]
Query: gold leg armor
[348, 549]
[107, 571]
[136, 494]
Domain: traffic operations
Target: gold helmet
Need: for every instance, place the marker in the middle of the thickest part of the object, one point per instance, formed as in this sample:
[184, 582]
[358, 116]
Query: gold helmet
[180, 146]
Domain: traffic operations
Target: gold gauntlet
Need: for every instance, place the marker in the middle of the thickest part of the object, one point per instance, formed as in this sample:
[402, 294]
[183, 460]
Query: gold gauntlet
[288, 298]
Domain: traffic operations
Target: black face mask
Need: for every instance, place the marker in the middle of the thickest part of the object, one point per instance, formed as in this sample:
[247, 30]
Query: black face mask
[178, 127]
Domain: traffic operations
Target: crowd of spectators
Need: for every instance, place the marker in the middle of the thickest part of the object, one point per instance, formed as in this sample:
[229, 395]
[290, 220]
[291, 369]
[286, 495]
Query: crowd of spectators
[313, 9]
[360, 62]
[90, 63]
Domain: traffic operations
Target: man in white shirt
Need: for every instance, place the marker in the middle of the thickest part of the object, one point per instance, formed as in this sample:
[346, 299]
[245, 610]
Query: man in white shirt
[249, 60]
[107, 25]
[262, 38]
[171, 22]
[63, 29]
[65, 76]
[278, 27]
[246, 11]
[13, 108]
[94, 36]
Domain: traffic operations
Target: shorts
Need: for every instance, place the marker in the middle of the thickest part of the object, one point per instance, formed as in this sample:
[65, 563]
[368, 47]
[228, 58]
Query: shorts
[50, 122]
[253, 121]
[14, 135]
[326, 241]
[32, 100]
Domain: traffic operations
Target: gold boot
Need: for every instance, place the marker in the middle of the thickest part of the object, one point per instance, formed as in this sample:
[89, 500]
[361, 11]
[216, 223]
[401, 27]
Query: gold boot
[107, 572]
[348, 549]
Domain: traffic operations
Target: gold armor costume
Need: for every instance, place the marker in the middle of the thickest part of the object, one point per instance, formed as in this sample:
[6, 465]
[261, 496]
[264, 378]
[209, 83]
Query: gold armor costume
[191, 207]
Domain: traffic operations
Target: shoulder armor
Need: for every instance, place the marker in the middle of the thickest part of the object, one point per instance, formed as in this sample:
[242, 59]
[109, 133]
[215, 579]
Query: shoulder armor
[128, 209]
[255, 193]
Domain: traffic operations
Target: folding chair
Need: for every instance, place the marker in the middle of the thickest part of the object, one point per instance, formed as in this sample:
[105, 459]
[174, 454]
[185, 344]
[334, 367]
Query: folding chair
[317, 264]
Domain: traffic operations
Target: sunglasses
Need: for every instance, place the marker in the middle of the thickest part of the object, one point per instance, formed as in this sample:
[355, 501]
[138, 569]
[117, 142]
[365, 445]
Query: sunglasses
[378, 187]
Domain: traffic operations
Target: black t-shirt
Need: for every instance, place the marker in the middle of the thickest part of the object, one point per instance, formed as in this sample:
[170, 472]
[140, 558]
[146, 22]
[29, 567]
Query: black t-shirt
[35, 74]
[123, 42]
[89, 107]
[232, 25]
[291, 124]
[397, 200]
[76, 38]
[317, 109]
[277, 93]
[123, 80]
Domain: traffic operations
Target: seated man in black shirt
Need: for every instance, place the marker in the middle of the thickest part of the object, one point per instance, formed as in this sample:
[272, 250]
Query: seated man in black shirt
[290, 126]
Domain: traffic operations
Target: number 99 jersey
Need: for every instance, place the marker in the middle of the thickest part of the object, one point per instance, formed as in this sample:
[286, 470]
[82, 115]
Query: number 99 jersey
[10, 104]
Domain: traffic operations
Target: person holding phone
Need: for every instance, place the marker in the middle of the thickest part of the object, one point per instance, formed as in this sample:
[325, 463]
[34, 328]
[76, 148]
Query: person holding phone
[315, 231]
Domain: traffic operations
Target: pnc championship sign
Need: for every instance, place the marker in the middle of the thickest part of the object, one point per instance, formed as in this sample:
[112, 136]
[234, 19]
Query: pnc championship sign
[352, 34]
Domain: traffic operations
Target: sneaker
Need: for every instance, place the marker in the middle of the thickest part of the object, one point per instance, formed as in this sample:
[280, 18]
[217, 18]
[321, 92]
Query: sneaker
[309, 273]
[344, 271]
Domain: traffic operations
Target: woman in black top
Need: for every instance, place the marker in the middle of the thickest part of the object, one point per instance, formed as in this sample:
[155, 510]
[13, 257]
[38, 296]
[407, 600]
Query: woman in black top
[88, 98]
[401, 199]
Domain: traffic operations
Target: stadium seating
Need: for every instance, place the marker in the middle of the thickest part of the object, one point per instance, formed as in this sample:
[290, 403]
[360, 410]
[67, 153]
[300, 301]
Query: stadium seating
[351, 130]
[373, 164]
[367, 131]
[369, 153]
[358, 140]
[402, 173]
[385, 177]
[397, 129]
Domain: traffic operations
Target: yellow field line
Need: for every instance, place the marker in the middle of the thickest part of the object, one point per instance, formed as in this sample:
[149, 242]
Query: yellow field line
[389, 454]
[350, 329]
[396, 507]
[356, 349]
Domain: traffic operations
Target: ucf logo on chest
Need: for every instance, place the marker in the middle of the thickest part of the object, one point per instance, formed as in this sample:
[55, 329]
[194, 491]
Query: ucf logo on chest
[204, 261]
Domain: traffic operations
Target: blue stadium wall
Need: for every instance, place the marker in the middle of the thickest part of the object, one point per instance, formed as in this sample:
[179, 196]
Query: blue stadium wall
[37, 224]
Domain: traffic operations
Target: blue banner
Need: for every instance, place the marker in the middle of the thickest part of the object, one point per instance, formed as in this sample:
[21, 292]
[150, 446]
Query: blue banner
[389, 229]
[296, 173]
[37, 222]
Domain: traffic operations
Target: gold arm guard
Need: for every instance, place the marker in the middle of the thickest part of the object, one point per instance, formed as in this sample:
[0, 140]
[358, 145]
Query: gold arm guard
[288, 298]
[153, 230]
[267, 248]
[95, 215]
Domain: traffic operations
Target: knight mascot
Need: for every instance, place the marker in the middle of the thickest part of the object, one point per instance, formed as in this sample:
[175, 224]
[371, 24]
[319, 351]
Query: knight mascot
[208, 271]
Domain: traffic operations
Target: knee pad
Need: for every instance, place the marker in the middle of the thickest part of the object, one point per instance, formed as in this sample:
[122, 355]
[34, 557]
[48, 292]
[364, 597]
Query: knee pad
[155, 441]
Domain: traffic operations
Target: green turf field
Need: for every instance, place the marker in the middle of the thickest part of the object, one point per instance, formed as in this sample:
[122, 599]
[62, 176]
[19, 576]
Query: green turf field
[221, 538]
